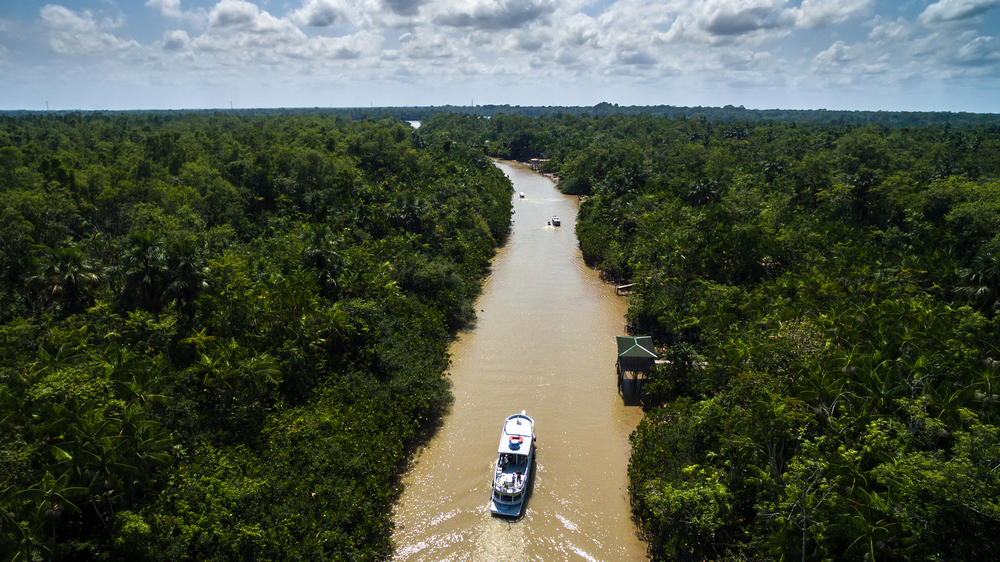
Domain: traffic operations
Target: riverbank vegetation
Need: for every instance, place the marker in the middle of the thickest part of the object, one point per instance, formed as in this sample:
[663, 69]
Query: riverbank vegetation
[218, 333]
[827, 298]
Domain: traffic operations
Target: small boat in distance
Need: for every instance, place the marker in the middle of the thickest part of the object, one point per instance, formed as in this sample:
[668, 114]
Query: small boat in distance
[516, 455]
[555, 220]
[521, 195]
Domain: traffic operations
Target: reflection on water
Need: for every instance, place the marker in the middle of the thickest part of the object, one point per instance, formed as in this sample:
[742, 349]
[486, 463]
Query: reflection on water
[544, 342]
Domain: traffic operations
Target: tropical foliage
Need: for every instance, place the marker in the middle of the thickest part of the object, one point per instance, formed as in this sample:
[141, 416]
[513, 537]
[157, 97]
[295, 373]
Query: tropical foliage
[219, 333]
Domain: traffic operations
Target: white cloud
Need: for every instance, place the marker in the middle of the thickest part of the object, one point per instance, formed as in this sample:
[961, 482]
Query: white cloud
[168, 8]
[889, 31]
[429, 46]
[172, 9]
[73, 33]
[579, 30]
[492, 15]
[979, 51]
[320, 13]
[361, 45]
[404, 7]
[636, 57]
[710, 22]
[176, 40]
[812, 14]
[956, 10]
[235, 13]
[728, 17]
[837, 55]
[526, 41]
[241, 28]
[743, 60]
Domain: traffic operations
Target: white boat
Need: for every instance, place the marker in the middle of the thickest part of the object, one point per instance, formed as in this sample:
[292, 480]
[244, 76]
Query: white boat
[555, 220]
[521, 195]
[516, 455]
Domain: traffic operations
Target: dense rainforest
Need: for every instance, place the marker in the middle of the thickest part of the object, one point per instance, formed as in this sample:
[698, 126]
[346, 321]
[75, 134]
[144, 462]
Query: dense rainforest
[219, 333]
[825, 297]
[725, 114]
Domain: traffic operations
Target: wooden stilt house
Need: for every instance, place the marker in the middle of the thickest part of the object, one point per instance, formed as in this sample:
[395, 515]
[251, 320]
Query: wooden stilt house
[635, 359]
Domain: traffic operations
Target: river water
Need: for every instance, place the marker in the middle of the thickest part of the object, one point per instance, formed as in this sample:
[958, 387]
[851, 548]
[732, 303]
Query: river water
[544, 342]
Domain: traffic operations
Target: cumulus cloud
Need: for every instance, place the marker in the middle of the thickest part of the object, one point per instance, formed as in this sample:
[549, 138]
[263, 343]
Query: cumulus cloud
[713, 22]
[168, 8]
[70, 32]
[726, 17]
[246, 31]
[889, 31]
[360, 45]
[320, 13]
[637, 57]
[493, 15]
[978, 52]
[176, 40]
[404, 7]
[172, 9]
[956, 10]
[579, 30]
[838, 55]
[428, 46]
[525, 41]
[234, 13]
[812, 14]
[743, 60]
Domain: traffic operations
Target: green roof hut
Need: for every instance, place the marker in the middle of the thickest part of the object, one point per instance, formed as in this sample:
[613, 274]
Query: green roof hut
[635, 359]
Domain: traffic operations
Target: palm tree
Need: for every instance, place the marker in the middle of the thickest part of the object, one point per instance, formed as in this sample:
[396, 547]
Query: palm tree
[49, 499]
[67, 276]
[144, 270]
[322, 254]
[982, 282]
[189, 275]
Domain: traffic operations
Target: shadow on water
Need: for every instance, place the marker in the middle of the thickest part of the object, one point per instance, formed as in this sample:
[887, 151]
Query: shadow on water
[422, 436]
[631, 400]
[631, 392]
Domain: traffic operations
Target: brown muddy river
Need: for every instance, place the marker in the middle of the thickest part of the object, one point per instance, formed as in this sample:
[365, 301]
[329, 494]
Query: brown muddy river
[544, 342]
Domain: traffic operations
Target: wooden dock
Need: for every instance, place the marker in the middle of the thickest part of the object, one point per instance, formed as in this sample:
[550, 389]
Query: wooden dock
[619, 289]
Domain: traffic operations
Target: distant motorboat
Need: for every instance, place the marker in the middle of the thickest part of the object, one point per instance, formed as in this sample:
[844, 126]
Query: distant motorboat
[516, 453]
[521, 195]
[555, 221]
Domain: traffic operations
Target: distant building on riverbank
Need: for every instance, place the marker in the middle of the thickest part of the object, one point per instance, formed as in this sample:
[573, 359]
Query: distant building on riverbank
[537, 163]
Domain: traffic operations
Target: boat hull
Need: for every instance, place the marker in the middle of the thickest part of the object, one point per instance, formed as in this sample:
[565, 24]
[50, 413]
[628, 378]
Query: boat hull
[506, 510]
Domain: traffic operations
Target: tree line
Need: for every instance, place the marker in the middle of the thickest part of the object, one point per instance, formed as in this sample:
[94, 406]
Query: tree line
[219, 333]
[826, 296]
[603, 109]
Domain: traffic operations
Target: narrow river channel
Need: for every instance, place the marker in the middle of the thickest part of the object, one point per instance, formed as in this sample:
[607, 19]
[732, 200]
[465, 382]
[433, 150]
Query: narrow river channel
[544, 342]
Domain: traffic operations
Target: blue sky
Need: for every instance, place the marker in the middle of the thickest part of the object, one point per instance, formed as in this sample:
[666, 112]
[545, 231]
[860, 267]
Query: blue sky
[919, 55]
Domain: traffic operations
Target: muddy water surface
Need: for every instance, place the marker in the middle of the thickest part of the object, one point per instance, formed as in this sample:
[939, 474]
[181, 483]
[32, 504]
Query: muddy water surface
[544, 342]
